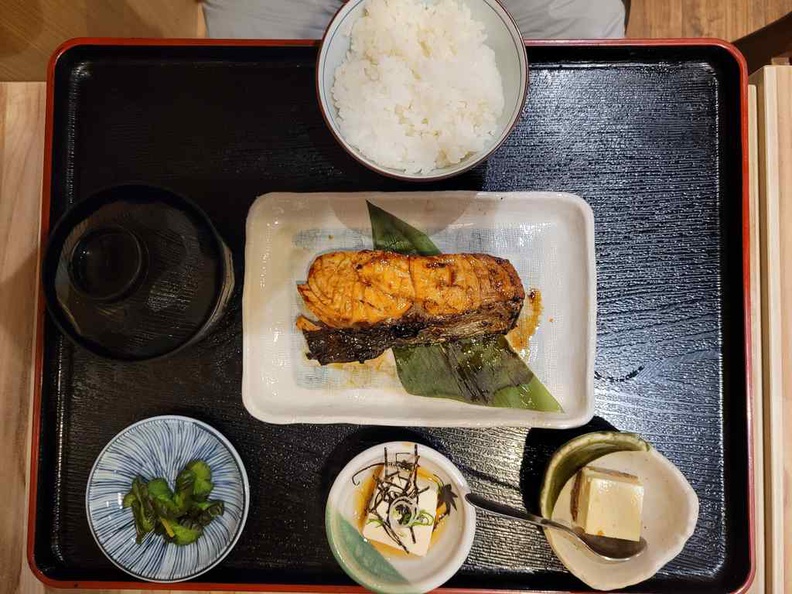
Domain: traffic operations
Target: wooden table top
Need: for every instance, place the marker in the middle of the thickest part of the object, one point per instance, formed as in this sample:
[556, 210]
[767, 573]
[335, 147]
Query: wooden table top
[21, 162]
[22, 108]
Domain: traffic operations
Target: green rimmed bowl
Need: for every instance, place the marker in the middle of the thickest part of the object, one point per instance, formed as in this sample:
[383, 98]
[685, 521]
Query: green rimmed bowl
[398, 573]
[670, 508]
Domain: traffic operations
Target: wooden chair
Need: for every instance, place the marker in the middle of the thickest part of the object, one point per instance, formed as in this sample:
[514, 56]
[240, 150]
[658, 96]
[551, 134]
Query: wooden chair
[768, 43]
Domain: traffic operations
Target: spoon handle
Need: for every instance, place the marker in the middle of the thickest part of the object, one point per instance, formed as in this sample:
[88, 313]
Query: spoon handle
[512, 512]
[609, 549]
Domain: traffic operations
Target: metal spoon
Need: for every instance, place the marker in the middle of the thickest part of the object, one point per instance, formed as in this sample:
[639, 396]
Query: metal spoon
[610, 549]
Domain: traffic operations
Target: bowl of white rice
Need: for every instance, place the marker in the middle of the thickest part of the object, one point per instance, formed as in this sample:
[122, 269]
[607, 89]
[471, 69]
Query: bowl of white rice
[421, 89]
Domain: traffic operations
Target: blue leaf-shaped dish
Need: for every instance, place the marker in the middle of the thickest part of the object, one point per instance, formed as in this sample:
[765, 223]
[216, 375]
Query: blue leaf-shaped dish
[160, 447]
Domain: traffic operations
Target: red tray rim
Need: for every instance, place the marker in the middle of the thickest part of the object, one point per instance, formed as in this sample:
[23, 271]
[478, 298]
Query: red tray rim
[40, 305]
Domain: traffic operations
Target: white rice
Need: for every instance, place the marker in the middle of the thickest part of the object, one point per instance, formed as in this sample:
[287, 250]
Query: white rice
[419, 88]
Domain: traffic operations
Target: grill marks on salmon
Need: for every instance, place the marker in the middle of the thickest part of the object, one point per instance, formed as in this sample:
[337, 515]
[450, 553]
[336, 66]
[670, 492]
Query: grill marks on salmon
[368, 301]
[350, 289]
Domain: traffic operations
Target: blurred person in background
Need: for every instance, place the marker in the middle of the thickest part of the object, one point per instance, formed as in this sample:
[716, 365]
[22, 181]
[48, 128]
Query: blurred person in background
[307, 19]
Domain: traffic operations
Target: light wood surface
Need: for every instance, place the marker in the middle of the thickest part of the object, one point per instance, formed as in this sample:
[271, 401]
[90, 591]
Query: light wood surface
[31, 29]
[774, 167]
[725, 19]
[785, 213]
[772, 373]
[785, 174]
[774, 102]
[759, 585]
[21, 156]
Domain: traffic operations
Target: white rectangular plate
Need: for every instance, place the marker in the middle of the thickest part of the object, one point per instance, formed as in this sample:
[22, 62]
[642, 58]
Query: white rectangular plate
[548, 237]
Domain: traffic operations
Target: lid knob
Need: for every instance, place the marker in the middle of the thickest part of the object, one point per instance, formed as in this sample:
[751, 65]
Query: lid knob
[107, 264]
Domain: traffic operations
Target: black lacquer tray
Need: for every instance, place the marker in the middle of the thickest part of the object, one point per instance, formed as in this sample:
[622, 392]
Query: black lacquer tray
[651, 134]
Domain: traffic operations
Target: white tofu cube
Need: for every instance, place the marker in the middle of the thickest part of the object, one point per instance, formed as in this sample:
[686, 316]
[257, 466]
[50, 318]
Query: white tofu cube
[609, 503]
[416, 538]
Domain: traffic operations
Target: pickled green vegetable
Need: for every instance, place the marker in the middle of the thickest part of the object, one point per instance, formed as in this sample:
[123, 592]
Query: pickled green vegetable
[178, 516]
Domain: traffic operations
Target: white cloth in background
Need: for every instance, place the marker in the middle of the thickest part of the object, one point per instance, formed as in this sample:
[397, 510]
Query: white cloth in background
[307, 19]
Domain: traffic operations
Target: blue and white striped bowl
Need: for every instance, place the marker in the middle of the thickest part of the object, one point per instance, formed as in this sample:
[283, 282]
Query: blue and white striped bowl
[162, 446]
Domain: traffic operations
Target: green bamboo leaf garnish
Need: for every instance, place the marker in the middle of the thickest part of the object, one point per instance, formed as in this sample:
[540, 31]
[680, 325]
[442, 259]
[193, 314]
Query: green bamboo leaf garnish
[394, 235]
[480, 370]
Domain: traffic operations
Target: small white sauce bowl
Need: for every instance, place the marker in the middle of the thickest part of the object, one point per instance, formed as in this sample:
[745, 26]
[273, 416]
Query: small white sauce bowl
[398, 573]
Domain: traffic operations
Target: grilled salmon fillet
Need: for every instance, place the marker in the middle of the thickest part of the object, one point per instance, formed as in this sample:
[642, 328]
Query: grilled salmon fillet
[368, 301]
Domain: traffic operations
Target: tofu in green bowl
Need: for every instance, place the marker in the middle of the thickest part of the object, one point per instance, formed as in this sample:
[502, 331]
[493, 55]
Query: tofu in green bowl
[617, 485]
